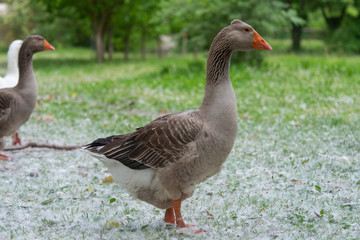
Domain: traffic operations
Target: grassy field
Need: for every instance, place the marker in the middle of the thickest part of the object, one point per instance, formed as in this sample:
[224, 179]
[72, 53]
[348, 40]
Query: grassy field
[294, 172]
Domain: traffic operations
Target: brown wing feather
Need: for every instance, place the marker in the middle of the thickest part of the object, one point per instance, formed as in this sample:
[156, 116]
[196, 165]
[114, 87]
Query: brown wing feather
[157, 144]
[6, 103]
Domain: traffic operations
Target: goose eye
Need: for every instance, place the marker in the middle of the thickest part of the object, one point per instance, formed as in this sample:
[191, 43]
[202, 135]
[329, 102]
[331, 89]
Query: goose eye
[247, 29]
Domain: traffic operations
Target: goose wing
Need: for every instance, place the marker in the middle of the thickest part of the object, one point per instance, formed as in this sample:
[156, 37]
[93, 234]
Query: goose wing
[7, 99]
[159, 143]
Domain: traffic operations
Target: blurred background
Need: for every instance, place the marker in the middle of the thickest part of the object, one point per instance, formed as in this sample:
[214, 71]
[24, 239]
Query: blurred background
[136, 28]
[294, 172]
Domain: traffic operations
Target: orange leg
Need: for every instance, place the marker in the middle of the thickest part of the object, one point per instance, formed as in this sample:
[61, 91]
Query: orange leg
[169, 216]
[177, 209]
[179, 220]
[5, 158]
[16, 139]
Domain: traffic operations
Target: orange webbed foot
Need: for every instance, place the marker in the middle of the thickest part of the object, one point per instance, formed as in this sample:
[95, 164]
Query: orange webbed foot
[5, 158]
[192, 228]
[179, 220]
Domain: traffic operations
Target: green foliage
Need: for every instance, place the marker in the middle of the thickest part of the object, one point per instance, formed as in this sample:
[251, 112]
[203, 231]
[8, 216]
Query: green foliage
[192, 23]
[22, 19]
[346, 38]
[203, 19]
[252, 58]
[303, 89]
[28, 17]
[134, 17]
[86, 9]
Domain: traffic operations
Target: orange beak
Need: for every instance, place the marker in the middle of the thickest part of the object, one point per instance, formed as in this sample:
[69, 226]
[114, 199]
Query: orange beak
[47, 46]
[259, 43]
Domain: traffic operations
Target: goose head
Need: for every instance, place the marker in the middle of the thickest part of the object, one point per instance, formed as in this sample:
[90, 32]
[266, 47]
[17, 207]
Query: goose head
[35, 43]
[242, 37]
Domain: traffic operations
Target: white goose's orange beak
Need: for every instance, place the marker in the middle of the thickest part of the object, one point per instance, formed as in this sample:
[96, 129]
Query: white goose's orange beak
[259, 43]
[47, 46]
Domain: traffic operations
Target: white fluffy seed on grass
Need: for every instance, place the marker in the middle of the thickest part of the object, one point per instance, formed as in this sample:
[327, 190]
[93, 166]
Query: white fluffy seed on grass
[345, 159]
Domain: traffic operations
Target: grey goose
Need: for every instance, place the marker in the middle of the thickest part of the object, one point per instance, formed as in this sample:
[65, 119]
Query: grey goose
[17, 103]
[161, 162]
[11, 77]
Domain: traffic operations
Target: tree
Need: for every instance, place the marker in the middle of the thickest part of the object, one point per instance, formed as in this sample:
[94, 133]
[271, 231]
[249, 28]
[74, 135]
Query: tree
[136, 20]
[25, 17]
[99, 12]
[123, 24]
[334, 12]
[147, 17]
[343, 31]
[199, 21]
[302, 10]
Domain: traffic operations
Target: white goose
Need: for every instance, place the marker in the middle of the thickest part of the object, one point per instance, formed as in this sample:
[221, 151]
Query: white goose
[12, 75]
[162, 162]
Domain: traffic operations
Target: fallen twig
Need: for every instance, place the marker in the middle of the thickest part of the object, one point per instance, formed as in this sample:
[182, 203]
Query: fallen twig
[43, 145]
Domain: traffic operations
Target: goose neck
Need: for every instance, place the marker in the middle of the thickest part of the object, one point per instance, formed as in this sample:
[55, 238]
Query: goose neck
[26, 74]
[12, 67]
[218, 63]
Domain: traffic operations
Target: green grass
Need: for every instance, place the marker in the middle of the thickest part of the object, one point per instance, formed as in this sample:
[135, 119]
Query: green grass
[288, 88]
[293, 173]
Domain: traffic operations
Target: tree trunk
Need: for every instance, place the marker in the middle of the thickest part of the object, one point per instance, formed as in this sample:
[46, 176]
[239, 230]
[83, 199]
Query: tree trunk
[333, 22]
[195, 51]
[99, 26]
[127, 47]
[184, 43]
[143, 43]
[159, 48]
[100, 14]
[110, 43]
[99, 44]
[296, 30]
[127, 38]
[296, 33]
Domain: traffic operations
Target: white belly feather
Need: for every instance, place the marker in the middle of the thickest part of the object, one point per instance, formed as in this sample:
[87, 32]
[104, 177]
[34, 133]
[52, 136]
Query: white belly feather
[136, 182]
